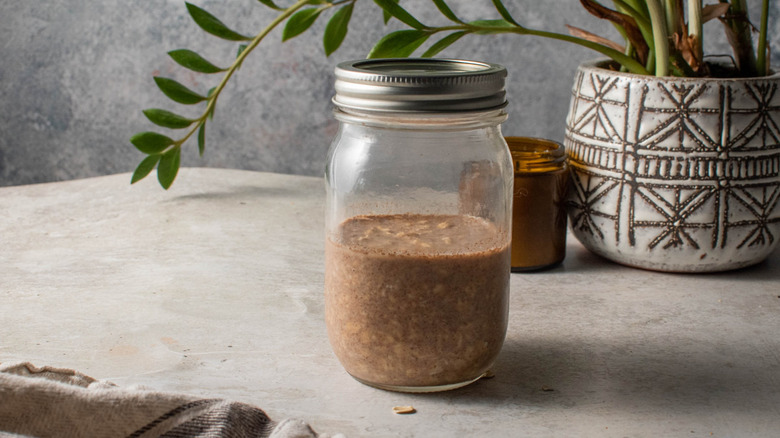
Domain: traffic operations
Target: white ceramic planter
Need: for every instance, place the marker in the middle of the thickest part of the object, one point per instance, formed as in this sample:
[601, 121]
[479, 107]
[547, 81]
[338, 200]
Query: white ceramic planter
[671, 174]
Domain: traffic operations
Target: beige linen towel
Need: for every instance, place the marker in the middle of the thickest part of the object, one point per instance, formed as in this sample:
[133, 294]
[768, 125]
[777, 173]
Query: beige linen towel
[53, 402]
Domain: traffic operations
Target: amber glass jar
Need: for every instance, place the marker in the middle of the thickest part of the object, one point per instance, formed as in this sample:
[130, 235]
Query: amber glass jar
[418, 217]
[539, 215]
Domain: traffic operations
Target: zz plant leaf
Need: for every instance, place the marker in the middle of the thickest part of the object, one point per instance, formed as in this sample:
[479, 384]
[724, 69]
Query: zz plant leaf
[202, 139]
[300, 22]
[446, 11]
[271, 4]
[177, 92]
[386, 15]
[151, 142]
[336, 30]
[193, 61]
[394, 9]
[241, 48]
[167, 119]
[399, 44]
[145, 168]
[168, 167]
[504, 12]
[213, 25]
[443, 44]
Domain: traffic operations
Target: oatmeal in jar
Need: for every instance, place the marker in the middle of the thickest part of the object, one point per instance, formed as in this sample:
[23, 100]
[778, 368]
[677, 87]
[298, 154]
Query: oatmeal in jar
[416, 302]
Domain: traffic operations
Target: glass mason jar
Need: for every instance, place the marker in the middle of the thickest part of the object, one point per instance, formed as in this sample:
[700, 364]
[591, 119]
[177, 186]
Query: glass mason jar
[418, 222]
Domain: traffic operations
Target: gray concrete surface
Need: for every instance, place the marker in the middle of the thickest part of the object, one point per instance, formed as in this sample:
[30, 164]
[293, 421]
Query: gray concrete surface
[214, 288]
[75, 76]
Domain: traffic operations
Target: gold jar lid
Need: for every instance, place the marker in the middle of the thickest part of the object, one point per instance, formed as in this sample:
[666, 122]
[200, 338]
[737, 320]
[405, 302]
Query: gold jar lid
[536, 155]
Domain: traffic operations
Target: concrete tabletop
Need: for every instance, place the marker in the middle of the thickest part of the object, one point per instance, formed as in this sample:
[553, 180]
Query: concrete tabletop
[214, 288]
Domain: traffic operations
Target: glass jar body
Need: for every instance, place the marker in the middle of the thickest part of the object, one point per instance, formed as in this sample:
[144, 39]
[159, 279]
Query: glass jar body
[539, 216]
[418, 224]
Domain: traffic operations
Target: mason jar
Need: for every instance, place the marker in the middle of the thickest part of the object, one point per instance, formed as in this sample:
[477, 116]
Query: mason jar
[418, 222]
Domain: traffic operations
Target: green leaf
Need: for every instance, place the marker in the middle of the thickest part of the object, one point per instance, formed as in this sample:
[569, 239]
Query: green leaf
[394, 9]
[145, 168]
[299, 22]
[167, 119]
[177, 92]
[446, 11]
[398, 44]
[336, 30]
[151, 142]
[504, 12]
[386, 15]
[193, 61]
[202, 139]
[212, 25]
[499, 25]
[241, 49]
[443, 44]
[169, 167]
[271, 4]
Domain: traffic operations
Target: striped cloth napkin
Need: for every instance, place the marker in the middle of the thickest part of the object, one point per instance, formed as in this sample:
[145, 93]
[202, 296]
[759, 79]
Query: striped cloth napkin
[54, 402]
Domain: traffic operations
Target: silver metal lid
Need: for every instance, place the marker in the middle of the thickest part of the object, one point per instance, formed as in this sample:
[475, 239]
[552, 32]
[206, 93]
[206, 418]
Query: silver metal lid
[419, 85]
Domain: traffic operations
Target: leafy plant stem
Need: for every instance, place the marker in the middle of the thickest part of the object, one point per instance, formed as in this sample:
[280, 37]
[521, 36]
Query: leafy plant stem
[212, 99]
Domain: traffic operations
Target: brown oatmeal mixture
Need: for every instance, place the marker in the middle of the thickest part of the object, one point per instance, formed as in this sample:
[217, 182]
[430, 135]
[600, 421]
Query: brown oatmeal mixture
[416, 300]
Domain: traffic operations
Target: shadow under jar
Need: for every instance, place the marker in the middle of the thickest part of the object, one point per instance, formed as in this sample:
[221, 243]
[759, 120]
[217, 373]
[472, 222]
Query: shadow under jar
[418, 217]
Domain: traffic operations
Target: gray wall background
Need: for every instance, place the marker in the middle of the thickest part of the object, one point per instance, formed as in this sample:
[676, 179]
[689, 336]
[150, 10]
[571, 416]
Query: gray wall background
[75, 75]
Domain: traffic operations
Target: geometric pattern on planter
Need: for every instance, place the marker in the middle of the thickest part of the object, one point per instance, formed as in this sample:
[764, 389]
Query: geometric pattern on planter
[760, 202]
[675, 164]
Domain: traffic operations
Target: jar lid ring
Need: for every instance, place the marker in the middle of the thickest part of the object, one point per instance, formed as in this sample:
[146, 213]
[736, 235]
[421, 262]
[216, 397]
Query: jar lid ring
[419, 85]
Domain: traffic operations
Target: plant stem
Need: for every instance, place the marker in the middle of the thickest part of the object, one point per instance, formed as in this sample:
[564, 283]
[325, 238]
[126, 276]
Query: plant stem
[670, 14]
[739, 23]
[660, 37]
[650, 66]
[630, 51]
[695, 28]
[762, 66]
[236, 64]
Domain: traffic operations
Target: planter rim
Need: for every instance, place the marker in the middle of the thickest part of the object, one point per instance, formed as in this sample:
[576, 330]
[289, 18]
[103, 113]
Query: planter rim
[597, 65]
